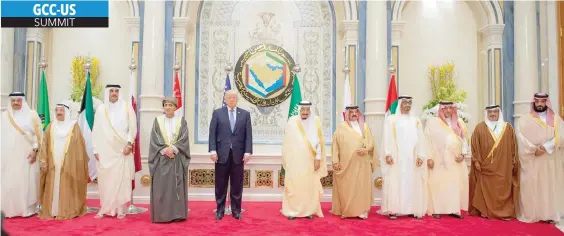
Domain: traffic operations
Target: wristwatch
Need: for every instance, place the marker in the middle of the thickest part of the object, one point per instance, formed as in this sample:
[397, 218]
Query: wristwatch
[35, 150]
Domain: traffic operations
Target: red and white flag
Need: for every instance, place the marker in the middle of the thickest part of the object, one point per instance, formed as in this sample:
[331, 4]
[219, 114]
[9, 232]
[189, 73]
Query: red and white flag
[178, 95]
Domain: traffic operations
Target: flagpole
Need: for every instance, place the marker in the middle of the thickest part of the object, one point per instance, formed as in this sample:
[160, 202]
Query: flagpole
[177, 68]
[87, 67]
[42, 66]
[132, 209]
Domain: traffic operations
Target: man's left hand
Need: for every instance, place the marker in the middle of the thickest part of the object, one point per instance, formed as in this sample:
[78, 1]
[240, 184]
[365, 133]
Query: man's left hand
[32, 157]
[127, 150]
[419, 162]
[316, 165]
[245, 159]
[361, 152]
[460, 158]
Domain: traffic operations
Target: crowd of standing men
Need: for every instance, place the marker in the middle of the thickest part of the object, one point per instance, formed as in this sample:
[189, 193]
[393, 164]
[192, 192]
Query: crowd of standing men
[514, 173]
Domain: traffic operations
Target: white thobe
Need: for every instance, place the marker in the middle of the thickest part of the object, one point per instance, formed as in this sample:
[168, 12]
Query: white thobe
[20, 180]
[114, 127]
[404, 188]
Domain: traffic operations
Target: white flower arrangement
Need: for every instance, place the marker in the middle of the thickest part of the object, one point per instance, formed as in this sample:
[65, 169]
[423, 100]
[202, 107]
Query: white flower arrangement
[434, 112]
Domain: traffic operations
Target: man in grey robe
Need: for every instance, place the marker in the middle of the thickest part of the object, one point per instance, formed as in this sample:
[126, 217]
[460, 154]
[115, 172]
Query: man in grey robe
[169, 156]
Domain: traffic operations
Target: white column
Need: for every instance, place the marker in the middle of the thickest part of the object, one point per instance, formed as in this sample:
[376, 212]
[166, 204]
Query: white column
[376, 58]
[376, 70]
[526, 55]
[492, 38]
[152, 68]
[7, 65]
[553, 35]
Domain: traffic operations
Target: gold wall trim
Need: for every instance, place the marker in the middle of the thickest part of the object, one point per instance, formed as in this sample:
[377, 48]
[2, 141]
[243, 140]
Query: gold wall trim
[395, 62]
[327, 181]
[146, 180]
[280, 179]
[264, 179]
[497, 75]
[378, 183]
[205, 178]
[352, 68]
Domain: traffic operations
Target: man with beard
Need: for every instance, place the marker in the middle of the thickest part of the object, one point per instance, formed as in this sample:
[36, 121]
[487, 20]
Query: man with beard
[404, 189]
[303, 159]
[448, 173]
[540, 139]
[353, 164]
[64, 168]
[113, 135]
[494, 177]
[21, 139]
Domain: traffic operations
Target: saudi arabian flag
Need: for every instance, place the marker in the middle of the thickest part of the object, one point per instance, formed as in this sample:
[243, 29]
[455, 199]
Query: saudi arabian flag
[86, 123]
[295, 100]
[392, 99]
[43, 102]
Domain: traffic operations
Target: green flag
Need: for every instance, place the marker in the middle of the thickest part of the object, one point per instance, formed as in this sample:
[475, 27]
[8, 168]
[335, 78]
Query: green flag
[295, 100]
[43, 102]
[87, 105]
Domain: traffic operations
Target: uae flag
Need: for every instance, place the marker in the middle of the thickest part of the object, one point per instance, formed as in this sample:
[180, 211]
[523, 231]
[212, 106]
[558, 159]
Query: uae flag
[392, 99]
[86, 123]
[295, 100]
[136, 149]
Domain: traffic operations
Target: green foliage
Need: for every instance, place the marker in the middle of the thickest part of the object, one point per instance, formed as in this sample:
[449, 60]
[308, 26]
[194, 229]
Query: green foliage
[443, 85]
[79, 77]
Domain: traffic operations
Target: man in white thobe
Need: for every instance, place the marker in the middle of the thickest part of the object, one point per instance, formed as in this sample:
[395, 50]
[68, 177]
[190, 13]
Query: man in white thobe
[404, 173]
[113, 136]
[21, 136]
[539, 135]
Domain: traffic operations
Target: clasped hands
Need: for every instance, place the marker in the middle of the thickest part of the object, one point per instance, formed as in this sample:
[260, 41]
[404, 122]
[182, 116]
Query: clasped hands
[460, 158]
[169, 152]
[362, 151]
[540, 151]
[126, 151]
[390, 161]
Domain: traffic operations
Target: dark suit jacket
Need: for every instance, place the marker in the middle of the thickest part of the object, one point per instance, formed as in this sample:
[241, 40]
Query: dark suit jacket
[221, 138]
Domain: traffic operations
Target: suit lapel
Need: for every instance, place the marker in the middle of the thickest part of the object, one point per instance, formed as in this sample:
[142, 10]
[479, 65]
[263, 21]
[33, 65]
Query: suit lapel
[237, 119]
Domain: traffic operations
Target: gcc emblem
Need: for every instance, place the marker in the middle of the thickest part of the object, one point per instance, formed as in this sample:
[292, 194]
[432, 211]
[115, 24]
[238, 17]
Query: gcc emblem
[264, 76]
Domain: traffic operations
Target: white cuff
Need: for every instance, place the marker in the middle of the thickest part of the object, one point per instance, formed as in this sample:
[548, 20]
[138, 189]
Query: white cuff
[213, 153]
[464, 146]
[162, 151]
[549, 146]
[318, 152]
[174, 149]
[247, 154]
[35, 146]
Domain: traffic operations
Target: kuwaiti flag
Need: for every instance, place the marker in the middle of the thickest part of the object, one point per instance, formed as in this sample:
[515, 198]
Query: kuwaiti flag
[86, 123]
[392, 99]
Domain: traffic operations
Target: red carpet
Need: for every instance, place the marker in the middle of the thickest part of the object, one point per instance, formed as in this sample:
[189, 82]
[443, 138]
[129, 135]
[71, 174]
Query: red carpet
[263, 218]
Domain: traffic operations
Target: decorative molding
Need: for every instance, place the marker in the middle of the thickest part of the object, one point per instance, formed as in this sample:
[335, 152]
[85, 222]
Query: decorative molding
[205, 178]
[180, 28]
[375, 100]
[327, 181]
[397, 32]
[264, 178]
[350, 30]
[146, 180]
[280, 179]
[521, 102]
[134, 26]
[375, 113]
[493, 35]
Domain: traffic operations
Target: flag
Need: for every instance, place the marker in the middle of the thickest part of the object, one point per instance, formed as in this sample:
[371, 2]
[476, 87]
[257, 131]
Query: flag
[178, 95]
[43, 102]
[136, 150]
[86, 123]
[392, 99]
[346, 94]
[295, 100]
[227, 87]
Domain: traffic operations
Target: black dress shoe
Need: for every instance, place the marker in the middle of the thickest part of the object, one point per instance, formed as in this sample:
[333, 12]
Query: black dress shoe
[237, 216]
[219, 216]
[456, 216]
[291, 218]
[310, 217]
[436, 216]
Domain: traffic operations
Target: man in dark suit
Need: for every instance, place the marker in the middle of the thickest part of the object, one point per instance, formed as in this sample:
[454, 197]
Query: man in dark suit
[230, 145]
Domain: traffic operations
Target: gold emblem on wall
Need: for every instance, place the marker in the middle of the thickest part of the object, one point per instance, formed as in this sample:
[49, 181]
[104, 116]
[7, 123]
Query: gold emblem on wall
[264, 75]
[205, 178]
[263, 179]
[146, 180]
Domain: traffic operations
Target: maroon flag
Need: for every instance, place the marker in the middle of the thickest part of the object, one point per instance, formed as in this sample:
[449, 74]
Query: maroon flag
[136, 150]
